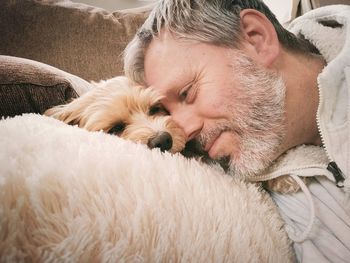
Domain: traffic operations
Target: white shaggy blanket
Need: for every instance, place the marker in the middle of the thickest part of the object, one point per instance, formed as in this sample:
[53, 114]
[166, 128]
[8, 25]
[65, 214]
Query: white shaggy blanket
[68, 195]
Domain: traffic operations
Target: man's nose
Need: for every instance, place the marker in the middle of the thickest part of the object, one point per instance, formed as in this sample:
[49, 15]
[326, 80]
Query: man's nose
[189, 122]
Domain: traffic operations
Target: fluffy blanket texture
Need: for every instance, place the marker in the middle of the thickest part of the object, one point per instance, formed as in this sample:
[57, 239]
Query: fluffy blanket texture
[68, 195]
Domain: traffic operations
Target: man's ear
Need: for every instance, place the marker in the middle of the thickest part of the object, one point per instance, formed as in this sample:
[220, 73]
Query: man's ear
[260, 39]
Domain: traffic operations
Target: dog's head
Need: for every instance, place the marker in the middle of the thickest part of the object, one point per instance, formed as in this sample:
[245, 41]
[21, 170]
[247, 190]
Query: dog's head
[130, 112]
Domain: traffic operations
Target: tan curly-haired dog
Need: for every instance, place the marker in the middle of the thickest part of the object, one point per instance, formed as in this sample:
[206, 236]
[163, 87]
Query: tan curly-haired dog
[117, 107]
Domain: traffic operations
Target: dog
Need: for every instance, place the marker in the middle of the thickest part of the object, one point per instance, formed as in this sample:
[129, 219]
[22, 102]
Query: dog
[135, 113]
[118, 107]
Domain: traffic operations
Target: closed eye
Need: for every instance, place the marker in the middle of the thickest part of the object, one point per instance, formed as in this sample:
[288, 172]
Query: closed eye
[157, 109]
[118, 128]
[183, 95]
[188, 93]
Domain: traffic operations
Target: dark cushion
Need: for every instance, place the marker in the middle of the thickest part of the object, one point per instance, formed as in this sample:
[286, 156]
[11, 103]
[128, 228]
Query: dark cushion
[29, 86]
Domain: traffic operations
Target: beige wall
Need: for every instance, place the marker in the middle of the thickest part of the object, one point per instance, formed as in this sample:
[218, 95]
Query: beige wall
[279, 7]
[112, 5]
[285, 10]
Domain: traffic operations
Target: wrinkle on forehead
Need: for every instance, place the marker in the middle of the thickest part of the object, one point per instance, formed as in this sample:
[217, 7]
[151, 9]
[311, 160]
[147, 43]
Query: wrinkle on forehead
[167, 63]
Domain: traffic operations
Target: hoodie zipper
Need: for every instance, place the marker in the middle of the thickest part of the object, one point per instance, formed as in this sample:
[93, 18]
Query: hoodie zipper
[337, 173]
[332, 166]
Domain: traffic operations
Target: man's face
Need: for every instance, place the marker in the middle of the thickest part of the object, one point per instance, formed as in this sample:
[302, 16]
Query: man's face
[220, 97]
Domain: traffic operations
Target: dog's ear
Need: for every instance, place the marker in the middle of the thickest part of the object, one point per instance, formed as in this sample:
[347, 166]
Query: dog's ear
[71, 113]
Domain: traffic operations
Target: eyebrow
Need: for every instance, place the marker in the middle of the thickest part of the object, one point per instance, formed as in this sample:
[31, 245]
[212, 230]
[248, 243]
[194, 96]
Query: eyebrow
[178, 88]
[172, 88]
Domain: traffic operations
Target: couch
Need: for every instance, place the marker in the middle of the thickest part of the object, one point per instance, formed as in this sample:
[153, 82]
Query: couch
[69, 195]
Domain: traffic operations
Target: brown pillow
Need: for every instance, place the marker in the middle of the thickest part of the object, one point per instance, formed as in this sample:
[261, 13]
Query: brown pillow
[80, 39]
[29, 86]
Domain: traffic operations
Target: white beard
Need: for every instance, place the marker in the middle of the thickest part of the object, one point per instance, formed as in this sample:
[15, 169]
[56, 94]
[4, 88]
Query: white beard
[258, 118]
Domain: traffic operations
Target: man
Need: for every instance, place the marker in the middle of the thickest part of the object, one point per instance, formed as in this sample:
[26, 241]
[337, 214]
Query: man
[248, 91]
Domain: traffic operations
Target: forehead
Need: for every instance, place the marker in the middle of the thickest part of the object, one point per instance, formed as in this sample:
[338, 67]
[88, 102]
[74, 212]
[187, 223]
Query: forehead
[167, 58]
[173, 62]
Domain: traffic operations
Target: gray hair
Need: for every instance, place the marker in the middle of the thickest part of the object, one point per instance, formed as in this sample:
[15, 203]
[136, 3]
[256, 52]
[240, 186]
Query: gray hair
[214, 22]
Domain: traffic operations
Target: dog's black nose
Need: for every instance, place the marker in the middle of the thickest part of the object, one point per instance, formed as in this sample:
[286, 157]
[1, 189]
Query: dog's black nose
[163, 141]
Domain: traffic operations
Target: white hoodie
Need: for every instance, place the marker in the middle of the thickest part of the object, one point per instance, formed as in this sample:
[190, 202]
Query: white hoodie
[318, 218]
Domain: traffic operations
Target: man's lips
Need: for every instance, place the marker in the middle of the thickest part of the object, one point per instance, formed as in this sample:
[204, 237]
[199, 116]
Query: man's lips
[211, 143]
[221, 145]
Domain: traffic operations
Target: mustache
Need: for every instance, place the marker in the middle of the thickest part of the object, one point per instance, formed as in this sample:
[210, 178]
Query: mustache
[196, 146]
[211, 134]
